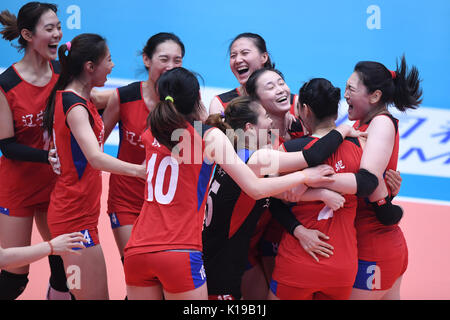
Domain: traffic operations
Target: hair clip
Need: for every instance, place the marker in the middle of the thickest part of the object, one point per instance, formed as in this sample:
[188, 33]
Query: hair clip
[393, 74]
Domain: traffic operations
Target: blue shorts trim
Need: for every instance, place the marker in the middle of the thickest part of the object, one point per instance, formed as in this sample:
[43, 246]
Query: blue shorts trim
[115, 223]
[367, 273]
[197, 269]
[88, 237]
[4, 211]
[273, 286]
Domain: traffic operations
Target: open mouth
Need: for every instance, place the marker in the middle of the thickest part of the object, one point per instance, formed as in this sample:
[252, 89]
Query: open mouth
[281, 99]
[242, 70]
[53, 47]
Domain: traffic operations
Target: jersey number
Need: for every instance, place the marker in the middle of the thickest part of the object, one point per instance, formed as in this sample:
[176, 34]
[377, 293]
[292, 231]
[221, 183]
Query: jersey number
[159, 196]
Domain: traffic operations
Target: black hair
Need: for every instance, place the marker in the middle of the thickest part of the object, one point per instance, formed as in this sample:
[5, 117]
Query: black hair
[28, 18]
[179, 95]
[259, 42]
[84, 47]
[240, 111]
[321, 97]
[154, 41]
[250, 86]
[401, 88]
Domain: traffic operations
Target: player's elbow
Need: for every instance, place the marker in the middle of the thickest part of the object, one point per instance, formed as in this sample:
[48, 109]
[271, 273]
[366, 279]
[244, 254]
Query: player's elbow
[256, 193]
[95, 160]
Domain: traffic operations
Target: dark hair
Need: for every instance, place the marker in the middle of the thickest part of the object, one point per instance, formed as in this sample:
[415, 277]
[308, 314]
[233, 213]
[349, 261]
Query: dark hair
[259, 42]
[321, 96]
[239, 111]
[403, 89]
[250, 86]
[181, 86]
[154, 41]
[85, 47]
[27, 18]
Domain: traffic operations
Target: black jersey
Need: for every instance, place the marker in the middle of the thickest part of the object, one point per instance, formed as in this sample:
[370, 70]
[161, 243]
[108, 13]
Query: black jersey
[230, 221]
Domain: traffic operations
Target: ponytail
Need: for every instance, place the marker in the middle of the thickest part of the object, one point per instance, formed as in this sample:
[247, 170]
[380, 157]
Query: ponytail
[217, 120]
[28, 18]
[163, 120]
[63, 80]
[401, 88]
[408, 92]
[179, 95]
[9, 21]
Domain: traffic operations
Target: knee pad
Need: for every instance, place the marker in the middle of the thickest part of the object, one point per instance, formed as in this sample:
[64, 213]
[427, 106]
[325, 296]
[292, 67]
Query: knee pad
[12, 285]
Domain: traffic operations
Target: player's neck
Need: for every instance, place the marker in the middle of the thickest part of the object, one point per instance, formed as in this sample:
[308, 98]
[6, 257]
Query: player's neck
[81, 86]
[149, 94]
[322, 128]
[34, 69]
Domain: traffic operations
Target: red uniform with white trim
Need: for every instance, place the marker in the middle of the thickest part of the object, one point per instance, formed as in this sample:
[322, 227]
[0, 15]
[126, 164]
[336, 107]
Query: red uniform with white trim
[75, 200]
[382, 250]
[172, 216]
[26, 185]
[294, 267]
[126, 194]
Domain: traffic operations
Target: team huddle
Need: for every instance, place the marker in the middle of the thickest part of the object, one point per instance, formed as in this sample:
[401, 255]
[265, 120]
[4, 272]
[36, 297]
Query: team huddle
[257, 196]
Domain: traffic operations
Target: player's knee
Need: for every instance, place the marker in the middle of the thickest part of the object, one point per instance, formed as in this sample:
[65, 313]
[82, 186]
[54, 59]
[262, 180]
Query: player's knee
[12, 285]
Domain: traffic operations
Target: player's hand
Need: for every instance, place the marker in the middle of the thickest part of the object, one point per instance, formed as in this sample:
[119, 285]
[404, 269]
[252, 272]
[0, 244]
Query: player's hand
[53, 159]
[311, 242]
[141, 171]
[332, 199]
[394, 181]
[348, 131]
[315, 176]
[67, 242]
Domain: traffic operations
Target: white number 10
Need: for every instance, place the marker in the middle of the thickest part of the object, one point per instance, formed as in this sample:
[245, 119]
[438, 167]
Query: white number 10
[160, 197]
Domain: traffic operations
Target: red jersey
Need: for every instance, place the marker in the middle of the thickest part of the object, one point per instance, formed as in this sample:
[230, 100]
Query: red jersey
[25, 183]
[294, 266]
[175, 196]
[75, 200]
[126, 194]
[375, 240]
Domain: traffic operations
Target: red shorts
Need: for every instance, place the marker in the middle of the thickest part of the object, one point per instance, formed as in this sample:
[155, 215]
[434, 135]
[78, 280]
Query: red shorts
[381, 275]
[175, 271]
[284, 292]
[119, 219]
[25, 212]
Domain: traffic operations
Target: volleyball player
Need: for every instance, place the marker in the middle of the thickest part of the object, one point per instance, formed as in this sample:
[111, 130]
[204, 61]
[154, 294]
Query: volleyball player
[27, 179]
[78, 133]
[231, 215]
[267, 86]
[382, 249]
[330, 275]
[129, 106]
[163, 256]
[248, 53]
